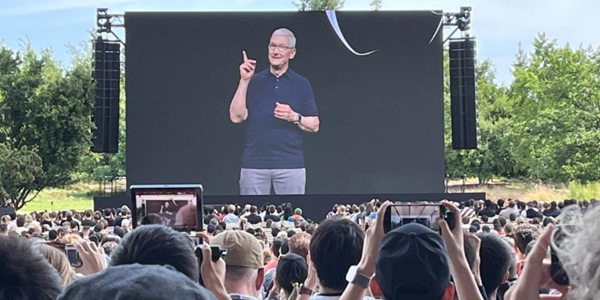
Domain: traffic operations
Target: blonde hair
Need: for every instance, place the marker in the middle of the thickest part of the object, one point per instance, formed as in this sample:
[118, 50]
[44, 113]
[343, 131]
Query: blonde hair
[58, 260]
[71, 238]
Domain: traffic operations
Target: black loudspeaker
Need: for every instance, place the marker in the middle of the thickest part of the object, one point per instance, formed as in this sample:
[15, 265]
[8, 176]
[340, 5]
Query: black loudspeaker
[463, 94]
[107, 76]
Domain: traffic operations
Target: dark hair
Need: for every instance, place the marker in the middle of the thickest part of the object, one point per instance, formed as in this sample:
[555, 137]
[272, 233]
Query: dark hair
[276, 245]
[157, 245]
[512, 217]
[485, 218]
[275, 231]
[3, 228]
[500, 202]
[502, 221]
[287, 213]
[553, 204]
[486, 228]
[20, 221]
[25, 273]
[285, 247]
[495, 258]
[547, 221]
[336, 245]
[511, 204]
[253, 209]
[524, 234]
[291, 233]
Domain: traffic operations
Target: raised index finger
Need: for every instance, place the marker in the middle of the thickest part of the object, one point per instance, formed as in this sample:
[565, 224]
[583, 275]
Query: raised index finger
[245, 56]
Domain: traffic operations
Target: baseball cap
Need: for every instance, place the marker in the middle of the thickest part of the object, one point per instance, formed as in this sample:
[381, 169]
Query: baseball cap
[136, 282]
[243, 249]
[412, 263]
[291, 268]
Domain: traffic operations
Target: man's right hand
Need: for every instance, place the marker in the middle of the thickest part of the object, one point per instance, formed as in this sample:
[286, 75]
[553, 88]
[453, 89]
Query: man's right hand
[247, 67]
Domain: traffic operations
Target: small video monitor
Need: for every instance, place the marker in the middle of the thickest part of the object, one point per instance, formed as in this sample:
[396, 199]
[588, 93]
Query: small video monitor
[178, 206]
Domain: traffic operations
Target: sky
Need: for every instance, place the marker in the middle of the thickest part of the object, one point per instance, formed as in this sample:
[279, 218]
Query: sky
[499, 25]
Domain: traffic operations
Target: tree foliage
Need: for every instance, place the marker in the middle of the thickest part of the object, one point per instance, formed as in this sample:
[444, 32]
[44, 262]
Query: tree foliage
[375, 4]
[305, 5]
[544, 126]
[45, 120]
[555, 112]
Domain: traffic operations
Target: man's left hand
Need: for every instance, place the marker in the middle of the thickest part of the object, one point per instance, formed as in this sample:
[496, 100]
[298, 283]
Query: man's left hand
[285, 112]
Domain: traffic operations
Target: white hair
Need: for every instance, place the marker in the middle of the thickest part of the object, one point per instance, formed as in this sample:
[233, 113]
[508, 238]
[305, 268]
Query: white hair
[579, 251]
[287, 33]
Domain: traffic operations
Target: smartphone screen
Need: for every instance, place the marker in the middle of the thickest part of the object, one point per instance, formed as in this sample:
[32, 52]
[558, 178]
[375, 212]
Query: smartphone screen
[397, 215]
[73, 256]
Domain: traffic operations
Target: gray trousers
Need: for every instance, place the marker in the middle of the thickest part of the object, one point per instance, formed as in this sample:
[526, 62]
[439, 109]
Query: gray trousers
[285, 181]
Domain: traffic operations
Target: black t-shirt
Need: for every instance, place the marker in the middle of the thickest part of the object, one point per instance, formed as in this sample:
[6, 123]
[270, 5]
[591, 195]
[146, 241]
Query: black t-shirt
[253, 219]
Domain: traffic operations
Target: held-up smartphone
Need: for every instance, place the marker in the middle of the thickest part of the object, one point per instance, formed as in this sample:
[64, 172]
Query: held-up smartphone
[397, 215]
[73, 256]
[216, 252]
[559, 276]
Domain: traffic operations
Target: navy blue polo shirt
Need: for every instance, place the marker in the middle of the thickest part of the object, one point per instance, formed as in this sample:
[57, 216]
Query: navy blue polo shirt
[272, 143]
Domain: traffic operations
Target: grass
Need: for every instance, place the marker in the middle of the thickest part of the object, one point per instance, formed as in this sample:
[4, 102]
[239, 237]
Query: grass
[80, 196]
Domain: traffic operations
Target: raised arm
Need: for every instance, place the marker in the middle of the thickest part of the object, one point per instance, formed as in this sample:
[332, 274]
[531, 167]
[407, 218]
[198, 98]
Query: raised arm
[238, 112]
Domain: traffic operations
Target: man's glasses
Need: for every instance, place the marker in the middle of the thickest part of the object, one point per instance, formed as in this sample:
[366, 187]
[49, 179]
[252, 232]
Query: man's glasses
[281, 48]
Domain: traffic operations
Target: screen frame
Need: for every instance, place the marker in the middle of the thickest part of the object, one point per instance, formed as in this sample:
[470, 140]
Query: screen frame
[199, 190]
[387, 214]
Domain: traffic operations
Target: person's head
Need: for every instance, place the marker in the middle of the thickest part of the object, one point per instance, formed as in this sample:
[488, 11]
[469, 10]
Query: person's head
[484, 219]
[421, 250]
[300, 244]
[298, 211]
[511, 204]
[524, 234]
[292, 271]
[500, 202]
[282, 48]
[486, 228]
[276, 246]
[58, 259]
[244, 262]
[509, 229]
[25, 273]
[496, 257]
[253, 210]
[157, 245]
[231, 209]
[547, 221]
[136, 282]
[502, 221]
[272, 209]
[465, 219]
[20, 221]
[3, 229]
[342, 237]
[512, 217]
[497, 226]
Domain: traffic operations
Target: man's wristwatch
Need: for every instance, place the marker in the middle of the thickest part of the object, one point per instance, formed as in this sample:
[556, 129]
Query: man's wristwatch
[306, 291]
[355, 276]
[298, 120]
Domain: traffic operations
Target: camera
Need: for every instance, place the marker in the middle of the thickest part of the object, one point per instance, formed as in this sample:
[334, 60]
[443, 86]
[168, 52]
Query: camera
[425, 214]
[216, 252]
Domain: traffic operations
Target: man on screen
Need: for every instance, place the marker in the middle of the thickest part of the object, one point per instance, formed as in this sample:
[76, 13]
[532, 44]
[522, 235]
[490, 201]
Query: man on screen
[279, 104]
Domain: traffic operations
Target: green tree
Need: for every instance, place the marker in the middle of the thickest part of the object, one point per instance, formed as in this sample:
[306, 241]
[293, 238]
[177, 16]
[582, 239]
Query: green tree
[555, 112]
[375, 4]
[305, 5]
[45, 111]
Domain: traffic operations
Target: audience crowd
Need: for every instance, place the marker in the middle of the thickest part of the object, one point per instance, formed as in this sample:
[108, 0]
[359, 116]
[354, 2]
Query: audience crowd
[503, 249]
